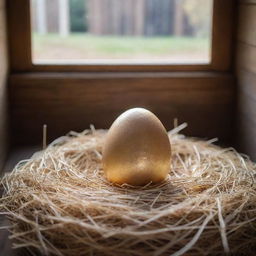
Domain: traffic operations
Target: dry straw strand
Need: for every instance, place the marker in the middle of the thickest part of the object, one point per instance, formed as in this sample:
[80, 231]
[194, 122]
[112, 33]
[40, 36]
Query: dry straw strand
[59, 202]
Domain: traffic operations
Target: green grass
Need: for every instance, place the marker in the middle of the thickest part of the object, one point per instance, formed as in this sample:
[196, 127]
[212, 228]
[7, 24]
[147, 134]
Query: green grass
[117, 46]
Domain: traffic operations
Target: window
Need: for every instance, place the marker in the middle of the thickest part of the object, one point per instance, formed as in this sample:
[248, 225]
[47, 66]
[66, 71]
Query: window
[186, 45]
[131, 31]
[72, 95]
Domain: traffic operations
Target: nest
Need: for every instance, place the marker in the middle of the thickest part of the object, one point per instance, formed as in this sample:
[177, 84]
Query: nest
[59, 202]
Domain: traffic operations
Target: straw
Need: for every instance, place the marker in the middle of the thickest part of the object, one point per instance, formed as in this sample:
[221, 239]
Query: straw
[59, 202]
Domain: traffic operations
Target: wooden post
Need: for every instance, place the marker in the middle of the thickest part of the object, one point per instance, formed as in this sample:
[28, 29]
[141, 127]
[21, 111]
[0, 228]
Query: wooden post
[41, 17]
[64, 28]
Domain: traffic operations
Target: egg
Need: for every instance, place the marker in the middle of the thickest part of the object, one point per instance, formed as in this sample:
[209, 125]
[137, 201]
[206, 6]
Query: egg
[137, 149]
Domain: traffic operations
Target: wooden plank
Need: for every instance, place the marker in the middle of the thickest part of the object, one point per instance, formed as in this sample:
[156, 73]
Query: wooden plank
[74, 101]
[247, 24]
[222, 34]
[247, 106]
[247, 95]
[139, 7]
[19, 31]
[3, 43]
[246, 57]
[247, 83]
[178, 23]
[246, 114]
[115, 17]
[120, 66]
[129, 17]
[246, 136]
[91, 17]
[52, 16]
[3, 85]
[246, 78]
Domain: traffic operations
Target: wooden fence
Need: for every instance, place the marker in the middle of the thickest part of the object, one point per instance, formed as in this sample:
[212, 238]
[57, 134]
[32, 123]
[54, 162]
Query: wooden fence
[114, 17]
[135, 17]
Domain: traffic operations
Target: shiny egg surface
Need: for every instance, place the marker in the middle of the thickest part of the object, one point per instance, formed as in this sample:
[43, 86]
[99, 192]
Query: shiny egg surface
[137, 149]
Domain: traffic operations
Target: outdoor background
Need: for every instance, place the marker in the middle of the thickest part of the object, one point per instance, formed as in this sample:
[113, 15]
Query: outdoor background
[169, 30]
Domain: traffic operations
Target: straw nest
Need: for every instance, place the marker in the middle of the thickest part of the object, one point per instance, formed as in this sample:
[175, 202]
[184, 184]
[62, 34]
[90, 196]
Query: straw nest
[59, 202]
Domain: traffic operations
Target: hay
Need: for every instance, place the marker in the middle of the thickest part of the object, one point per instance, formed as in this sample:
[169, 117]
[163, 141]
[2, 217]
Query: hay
[60, 203]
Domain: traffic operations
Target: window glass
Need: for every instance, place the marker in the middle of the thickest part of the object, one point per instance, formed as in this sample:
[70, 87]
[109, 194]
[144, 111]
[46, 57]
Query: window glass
[125, 31]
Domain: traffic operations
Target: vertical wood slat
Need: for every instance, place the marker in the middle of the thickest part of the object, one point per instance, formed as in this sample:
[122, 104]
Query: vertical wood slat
[3, 85]
[52, 16]
[133, 17]
[130, 17]
[246, 114]
[246, 57]
[222, 34]
[115, 18]
[178, 23]
[41, 16]
[19, 34]
[246, 78]
[246, 32]
[90, 17]
[103, 14]
[139, 16]
[95, 17]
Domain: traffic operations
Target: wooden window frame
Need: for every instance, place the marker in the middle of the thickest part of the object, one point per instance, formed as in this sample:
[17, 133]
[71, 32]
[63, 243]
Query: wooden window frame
[19, 25]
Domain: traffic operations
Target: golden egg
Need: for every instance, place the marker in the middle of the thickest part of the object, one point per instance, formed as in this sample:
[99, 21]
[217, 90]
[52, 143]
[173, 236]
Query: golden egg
[137, 149]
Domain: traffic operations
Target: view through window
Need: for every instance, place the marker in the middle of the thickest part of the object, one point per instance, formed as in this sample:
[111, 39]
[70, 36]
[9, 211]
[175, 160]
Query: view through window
[150, 31]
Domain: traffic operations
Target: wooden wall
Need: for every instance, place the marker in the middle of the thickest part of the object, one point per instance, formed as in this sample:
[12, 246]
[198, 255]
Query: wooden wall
[246, 77]
[3, 78]
[73, 101]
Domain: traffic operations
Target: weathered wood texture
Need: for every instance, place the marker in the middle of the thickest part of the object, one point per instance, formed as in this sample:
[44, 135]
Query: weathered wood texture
[3, 76]
[246, 77]
[74, 101]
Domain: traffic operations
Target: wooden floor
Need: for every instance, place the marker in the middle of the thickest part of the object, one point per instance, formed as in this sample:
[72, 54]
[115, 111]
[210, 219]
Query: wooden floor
[14, 157]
